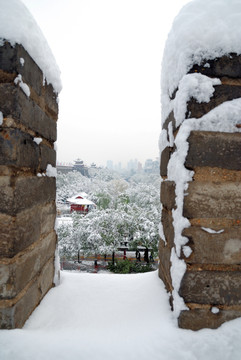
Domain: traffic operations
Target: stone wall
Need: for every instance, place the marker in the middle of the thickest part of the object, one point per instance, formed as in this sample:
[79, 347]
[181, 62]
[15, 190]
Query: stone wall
[211, 285]
[27, 205]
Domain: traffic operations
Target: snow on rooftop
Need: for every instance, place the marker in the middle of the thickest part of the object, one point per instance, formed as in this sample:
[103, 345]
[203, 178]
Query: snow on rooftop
[202, 30]
[19, 27]
[80, 201]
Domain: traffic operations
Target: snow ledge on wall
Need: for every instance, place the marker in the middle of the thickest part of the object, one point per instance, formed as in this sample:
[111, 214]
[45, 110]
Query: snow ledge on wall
[203, 30]
[19, 27]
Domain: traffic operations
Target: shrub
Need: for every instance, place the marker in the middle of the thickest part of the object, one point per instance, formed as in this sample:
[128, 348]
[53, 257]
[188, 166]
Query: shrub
[127, 267]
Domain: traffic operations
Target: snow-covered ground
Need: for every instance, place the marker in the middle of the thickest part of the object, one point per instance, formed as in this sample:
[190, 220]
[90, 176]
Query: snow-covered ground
[102, 316]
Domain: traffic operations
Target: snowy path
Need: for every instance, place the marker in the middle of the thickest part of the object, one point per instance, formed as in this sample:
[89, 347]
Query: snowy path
[102, 316]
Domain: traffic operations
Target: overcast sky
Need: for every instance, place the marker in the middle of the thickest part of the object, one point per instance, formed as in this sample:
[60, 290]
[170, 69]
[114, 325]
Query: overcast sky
[109, 53]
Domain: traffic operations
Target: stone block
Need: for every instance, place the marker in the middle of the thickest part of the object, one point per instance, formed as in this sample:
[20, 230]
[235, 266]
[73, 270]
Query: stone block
[169, 119]
[14, 312]
[14, 103]
[168, 229]
[168, 194]
[19, 271]
[222, 93]
[50, 101]
[227, 65]
[27, 206]
[20, 231]
[36, 292]
[214, 149]
[211, 287]
[197, 319]
[165, 157]
[47, 156]
[47, 217]
[223, 248]
[46, 280]
[213, 200]
[6, 195]
[10, 62]
[18, 149]
[165, 249]
[165, 265]
[32, 75]
[216, 174]
[20, 193]
[31, 191]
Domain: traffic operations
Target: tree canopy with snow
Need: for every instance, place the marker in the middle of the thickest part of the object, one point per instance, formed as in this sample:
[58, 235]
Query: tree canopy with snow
[124, 210]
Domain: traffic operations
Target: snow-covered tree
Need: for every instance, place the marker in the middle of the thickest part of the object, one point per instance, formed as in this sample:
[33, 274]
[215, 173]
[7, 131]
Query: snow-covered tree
[123, 209]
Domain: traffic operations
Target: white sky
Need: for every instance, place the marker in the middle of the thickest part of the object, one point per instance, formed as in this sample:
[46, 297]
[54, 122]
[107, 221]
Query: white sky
[109, 53]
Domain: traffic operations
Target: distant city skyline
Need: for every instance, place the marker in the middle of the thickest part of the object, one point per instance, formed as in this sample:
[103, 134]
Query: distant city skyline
[111, 164]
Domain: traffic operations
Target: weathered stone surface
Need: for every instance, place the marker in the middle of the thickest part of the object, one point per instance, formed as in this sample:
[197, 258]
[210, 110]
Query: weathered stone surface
[212, 200]
[27, 206]
[33, 190]
[228, 65]
[168, 194]
[214, 149]
[215, 174]
[6, 77]
[46, 280]
[10, 62]
[168, 229]
[18, 232]
[14, 103]
[211, 287]
[215, 223]
[166, 248]
[47, 216]
[18, 149]
[223, 248]
[17, 273]
[222, 93]
[32, 75]
[14, 313]
[20, 193]
[169, 119]
[165, 157]
[165, 265]
[50, 101]
[221, 200]
[203, 318]
[48, 156]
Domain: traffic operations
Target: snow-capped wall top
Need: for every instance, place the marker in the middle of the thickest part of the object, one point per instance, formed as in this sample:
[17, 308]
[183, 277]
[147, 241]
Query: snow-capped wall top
[18, 26]
[202, 30]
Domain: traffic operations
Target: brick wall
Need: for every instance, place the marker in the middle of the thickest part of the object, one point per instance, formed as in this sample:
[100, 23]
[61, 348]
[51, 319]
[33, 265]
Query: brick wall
[27, 205]
[213, 270]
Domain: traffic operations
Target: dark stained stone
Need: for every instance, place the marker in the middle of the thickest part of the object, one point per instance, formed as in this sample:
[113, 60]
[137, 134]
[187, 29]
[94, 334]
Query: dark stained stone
[168, 194]
[222, 93]
[211, 287]
[228, 65]
[216, 248]
[197, 319]
[213, 200]
[215, 149]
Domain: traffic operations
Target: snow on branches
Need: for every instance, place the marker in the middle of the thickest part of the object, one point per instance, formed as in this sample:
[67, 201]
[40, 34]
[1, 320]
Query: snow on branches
[125, 210]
